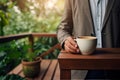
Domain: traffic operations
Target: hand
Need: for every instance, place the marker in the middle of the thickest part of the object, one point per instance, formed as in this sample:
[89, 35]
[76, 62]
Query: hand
[70, 45]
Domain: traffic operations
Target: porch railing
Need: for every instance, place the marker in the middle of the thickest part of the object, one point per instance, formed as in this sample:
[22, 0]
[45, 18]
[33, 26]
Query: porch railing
[31, 37]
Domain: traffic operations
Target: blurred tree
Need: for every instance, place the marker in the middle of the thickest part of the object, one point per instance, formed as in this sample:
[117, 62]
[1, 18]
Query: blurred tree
[31, 16]
[3, 15]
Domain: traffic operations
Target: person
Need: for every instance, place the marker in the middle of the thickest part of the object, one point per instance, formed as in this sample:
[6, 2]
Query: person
[100, 18]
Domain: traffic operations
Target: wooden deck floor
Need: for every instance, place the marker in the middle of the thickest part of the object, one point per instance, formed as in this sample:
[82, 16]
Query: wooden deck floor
[49, 71]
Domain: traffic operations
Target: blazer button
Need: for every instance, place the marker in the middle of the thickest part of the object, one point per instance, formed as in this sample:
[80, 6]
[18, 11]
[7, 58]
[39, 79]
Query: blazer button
[92, 34]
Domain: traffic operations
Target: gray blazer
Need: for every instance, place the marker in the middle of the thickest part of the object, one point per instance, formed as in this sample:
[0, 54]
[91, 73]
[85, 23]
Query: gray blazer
[77, 21]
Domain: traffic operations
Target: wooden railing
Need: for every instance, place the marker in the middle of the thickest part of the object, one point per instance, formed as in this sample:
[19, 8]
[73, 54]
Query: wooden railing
[30, 37]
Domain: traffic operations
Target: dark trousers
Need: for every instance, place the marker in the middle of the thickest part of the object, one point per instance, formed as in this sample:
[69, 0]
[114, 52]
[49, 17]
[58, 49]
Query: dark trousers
[103, 75]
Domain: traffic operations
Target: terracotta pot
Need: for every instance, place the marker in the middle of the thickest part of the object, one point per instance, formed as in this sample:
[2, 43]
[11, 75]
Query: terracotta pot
[31, 69]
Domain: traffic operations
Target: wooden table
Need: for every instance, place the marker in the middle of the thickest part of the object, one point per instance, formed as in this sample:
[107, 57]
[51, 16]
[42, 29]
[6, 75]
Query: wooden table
[49, 71]
[101, 59]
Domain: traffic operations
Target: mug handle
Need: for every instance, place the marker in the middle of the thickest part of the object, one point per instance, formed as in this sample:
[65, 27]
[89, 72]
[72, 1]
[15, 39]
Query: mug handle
[75, 39]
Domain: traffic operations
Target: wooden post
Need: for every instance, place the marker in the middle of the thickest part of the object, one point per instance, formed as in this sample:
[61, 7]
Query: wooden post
[31, 42]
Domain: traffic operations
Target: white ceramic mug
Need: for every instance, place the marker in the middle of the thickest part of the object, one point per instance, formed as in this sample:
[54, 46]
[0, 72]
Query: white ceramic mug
[86, 44]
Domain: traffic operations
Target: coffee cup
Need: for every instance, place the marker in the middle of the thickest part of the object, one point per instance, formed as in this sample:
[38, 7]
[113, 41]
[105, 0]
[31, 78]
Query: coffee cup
[86, 44]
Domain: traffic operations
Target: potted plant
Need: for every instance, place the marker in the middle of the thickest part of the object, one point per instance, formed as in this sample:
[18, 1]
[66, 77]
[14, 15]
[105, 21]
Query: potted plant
[31, 65]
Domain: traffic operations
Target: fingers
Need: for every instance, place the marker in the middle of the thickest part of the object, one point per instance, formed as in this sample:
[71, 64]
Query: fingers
[70, 45]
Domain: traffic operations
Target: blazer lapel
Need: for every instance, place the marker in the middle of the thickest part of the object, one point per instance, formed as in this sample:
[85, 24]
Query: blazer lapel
[108, 9]
[89, 14]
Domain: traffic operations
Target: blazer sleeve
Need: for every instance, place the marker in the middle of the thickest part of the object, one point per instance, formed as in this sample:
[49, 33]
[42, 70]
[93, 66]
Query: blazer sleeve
[65, 27]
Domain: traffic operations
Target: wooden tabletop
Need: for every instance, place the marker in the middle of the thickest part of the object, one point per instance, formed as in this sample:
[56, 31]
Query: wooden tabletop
[102, 58]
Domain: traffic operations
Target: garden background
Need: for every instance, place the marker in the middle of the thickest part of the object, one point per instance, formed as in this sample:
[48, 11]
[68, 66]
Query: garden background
[27, 16]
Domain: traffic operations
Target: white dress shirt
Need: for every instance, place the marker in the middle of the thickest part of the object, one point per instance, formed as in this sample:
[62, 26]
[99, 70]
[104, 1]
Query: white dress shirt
[98, 8]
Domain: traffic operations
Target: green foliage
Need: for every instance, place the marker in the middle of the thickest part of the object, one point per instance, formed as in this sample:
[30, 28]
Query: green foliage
[30, 56]
[43, 44]
[4, 15]
[26, 22]
[11, 54]
[42, 20]
[3, 21]
[20, 23]
[3, 1]
[14, 21]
